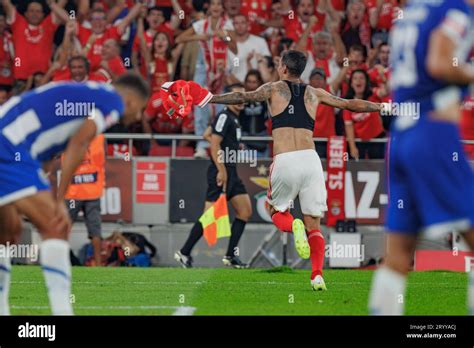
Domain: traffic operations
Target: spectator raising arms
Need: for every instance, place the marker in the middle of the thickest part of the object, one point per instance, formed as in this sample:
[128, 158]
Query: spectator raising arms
[364, 125]
[355, 27]
[33, 36]
[216, 35]
[156, 22]
[161, 59]
[93, 39]
[249, 46]
[296, 23]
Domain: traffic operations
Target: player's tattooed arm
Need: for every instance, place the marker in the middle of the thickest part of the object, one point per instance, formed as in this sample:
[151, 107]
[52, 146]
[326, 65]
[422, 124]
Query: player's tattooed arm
[262, 93]
[356, 105]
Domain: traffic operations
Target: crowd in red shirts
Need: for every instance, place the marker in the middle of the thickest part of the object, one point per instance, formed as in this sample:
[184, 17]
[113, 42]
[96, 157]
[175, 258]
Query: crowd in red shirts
[215, 43]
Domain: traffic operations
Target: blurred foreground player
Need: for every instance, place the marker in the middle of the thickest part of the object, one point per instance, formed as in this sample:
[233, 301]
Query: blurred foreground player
[431, 184]
[296, 170]
[222, 177]
[34, 128]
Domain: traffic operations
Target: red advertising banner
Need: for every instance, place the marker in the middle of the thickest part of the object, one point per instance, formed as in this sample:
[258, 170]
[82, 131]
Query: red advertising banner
[336, 168]
[151, 182]
[450, 260]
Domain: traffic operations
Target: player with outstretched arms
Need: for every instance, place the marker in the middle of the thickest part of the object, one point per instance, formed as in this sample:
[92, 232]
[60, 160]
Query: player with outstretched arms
[296, 170]
[34, 128]
[431, 184]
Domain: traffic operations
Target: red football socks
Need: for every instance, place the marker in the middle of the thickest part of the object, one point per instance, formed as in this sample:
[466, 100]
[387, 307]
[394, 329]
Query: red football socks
[316, 245]
[283, 221]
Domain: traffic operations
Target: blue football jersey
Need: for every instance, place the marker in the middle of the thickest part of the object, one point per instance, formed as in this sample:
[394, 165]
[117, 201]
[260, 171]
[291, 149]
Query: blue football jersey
[41, 121]
[409, 39]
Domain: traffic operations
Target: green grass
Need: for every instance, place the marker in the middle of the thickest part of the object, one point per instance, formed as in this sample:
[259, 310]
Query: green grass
[280, 291]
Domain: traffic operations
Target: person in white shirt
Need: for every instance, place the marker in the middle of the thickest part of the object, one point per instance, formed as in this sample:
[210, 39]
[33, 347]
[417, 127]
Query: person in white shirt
[248, 47]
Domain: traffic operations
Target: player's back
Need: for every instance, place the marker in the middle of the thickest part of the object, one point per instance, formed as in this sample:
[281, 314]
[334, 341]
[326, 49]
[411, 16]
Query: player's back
[292, 123]
[411, 82]
[41, 121]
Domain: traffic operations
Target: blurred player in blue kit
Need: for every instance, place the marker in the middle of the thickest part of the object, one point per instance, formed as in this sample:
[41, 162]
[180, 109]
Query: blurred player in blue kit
[34, 128]
[431, 184]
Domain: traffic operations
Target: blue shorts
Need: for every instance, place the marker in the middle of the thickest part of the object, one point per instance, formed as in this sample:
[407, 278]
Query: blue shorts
[20, 174]
[431, 183]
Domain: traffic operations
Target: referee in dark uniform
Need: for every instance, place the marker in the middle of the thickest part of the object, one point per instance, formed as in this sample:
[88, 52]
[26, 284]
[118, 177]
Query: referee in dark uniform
[224, 136]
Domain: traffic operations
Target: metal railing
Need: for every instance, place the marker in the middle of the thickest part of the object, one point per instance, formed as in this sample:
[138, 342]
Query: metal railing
[177, 137]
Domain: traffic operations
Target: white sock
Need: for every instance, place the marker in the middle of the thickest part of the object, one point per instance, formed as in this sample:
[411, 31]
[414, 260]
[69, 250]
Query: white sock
[5, 274]
[387, 296]
[470, 293]
[56, 264]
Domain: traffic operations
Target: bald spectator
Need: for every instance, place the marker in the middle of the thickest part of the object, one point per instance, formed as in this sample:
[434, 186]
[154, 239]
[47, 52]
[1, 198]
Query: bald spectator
[249, 46]
[33, 36]
[111, 65]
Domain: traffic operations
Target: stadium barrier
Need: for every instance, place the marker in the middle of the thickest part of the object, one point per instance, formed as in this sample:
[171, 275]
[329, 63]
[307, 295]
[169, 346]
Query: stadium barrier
[164, 192]
[172, 189]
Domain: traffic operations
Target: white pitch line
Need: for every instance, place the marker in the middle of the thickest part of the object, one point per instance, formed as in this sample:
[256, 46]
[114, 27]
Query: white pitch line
[179, 310]
[184, 311]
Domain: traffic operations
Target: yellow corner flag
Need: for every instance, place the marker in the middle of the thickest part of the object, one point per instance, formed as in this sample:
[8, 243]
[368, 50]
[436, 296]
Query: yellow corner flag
[215, 221]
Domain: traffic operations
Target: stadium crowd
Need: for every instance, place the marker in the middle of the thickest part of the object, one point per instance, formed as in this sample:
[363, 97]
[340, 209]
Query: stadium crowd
[215, 43]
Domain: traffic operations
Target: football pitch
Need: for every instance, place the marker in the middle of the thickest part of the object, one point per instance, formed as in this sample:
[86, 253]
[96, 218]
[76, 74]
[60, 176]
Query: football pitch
[279, 291]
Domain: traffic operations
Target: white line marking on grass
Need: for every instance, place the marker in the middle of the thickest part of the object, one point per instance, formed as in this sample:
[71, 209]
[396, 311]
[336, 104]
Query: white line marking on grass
[182, 311]
[179, 310]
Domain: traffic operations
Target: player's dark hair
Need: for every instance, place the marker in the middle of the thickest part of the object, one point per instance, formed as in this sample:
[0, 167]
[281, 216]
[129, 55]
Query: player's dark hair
[283, 45]
[367, 90]
[295, 62]
[134, 82]
[83, 59]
